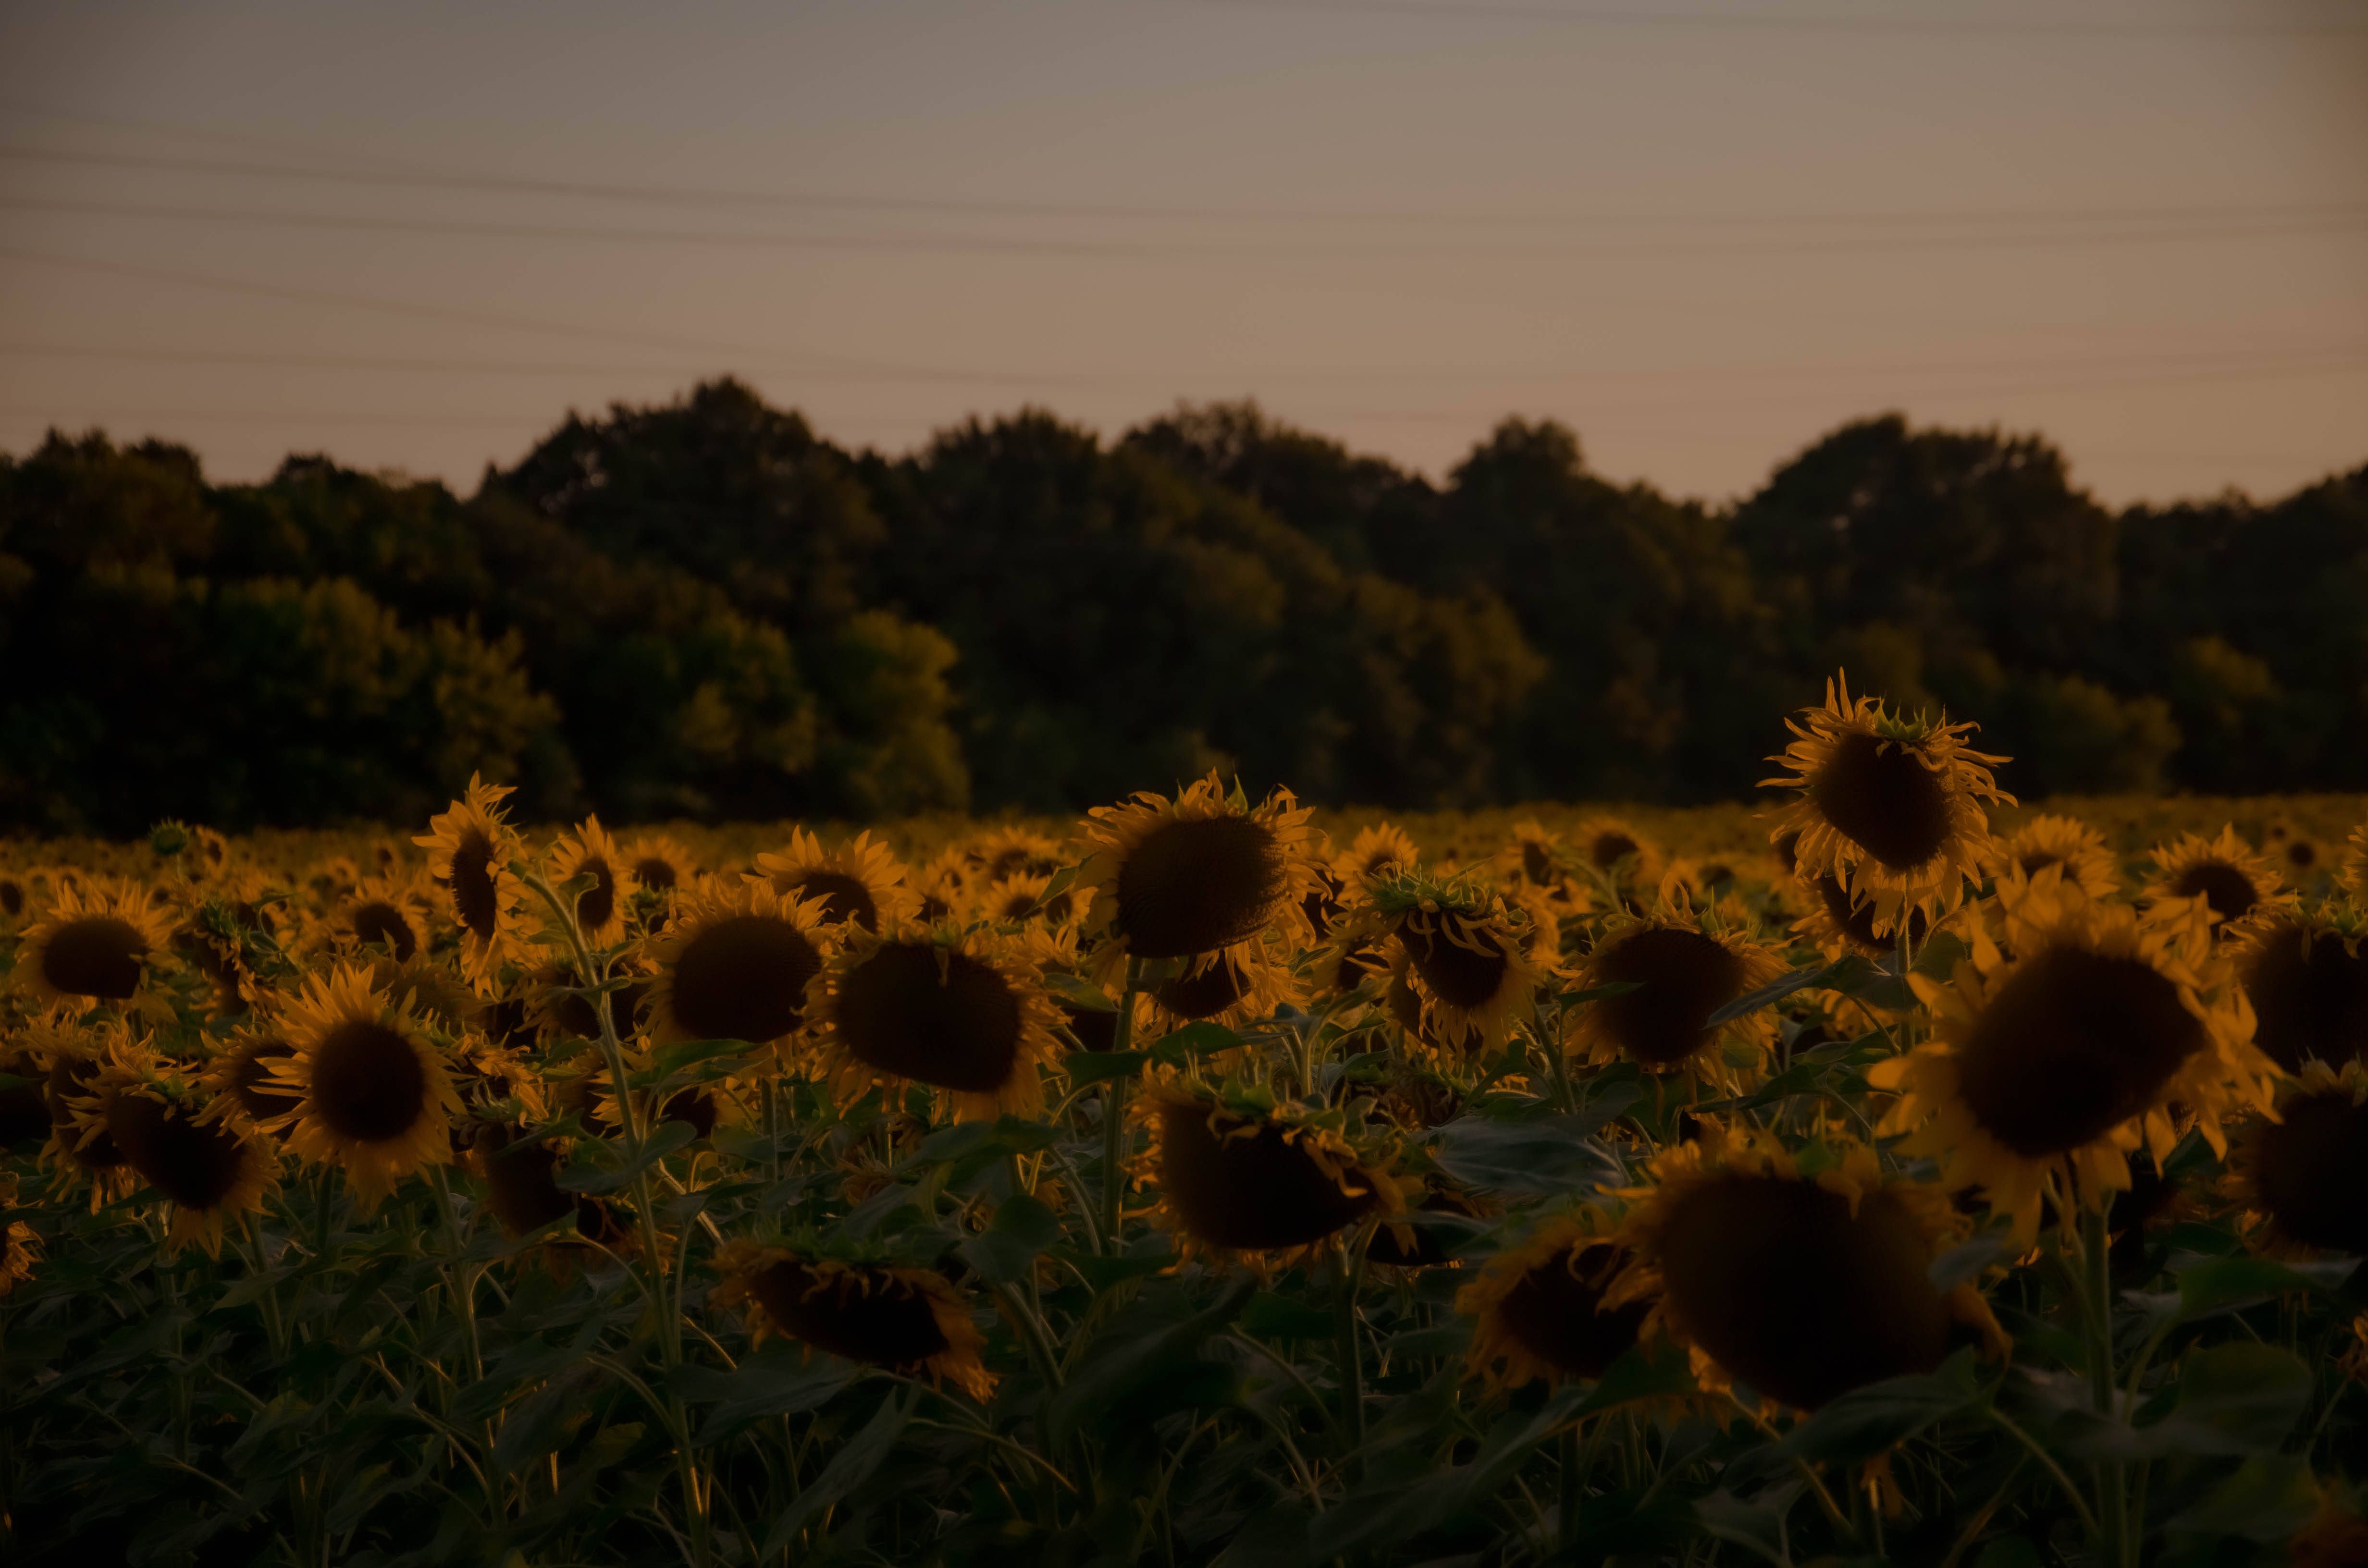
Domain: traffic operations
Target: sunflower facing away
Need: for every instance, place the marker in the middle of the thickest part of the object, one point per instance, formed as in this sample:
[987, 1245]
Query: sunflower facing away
[373, 1094]
[1240, 1176]
[967, 1013]
[1684, 969]
[470, 848]
[1175, 879]
[859, 883]
[2305, 972]
[2307, 1170]
[1890, 807]
[734, 964]
[1538, 1309]
[2064, 1044]
[93, 945]
[908, 1319]
[2236, 884]
[1799, 1279]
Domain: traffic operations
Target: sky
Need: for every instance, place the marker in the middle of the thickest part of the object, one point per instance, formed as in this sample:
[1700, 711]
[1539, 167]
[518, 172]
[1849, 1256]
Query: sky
[1702, 233]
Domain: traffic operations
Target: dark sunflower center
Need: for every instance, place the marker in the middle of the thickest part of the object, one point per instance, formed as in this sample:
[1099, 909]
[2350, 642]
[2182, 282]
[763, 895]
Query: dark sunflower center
[2311, 1171]
[1857, 918]
[2228, 892]
[957, 1027]
[2038, 861]
[1193, 886]
[1464, 963]
[1555, 1311]
[1685, 975]
[1793, 1295]
[597, 905]
[844, 897]
[12, 897]
[194, 1167]
[655, 871]
[383, 924]
[1205, 994]
[1257, 1192]
[251, 1083]
[1005, 864]
[889, 1325]
[475, 898]
[1607, 849]
[1096, 1029]
[2073, 1043]
[2302, 853]
[97, 955]
[1883, 798]
[744, 978]
[2310, 997]
[368, 1085]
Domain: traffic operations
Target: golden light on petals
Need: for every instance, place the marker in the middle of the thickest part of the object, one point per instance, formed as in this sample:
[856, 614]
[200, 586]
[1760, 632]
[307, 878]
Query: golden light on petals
[861, 882]
[2239, 888]
[94, 944]
[1539, 1310]
[966, 1014]
[1175, 879]
[374, 1095]
[590, 854]
[733, 963]
[470, 848]
[1683, 972]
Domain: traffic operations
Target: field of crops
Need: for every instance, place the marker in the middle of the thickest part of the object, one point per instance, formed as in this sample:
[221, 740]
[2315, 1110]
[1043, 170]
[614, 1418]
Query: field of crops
[1894, 1173]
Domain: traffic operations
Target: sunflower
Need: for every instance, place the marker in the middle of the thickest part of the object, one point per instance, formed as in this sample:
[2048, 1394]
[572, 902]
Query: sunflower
[2298, 857]
[204, 1156]
[1538, 1309]
[387, 913]
[242, 1073]
[518, 1171]
[908, 1319]
[2236, 884]
[1007, 852]
[600, 909]
[942, 886]
[375, 1096]
[1021, 897]
[860, 882]
[2307, 1169]
[966, 1013]
[1473, 961]
[1176, 879]
[1536, 855]
[1614, 850]
[1838, 923]
[1799, 1279]
[470, 848]
[1230, 986]
[2075, 850]
[1890, 807]
[20, 1246]
[1377, 854]
[554, 1012]
[1685, 969]
[79, 1147]
[734, 964]
[94, 943]
[1239, 1175]
[592, 1096]
[15, 897]
[2068, 1050]
[2307, 978]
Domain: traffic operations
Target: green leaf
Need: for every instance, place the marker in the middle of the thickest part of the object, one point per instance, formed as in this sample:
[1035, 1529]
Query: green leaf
[1270, 1316]
[1093, 1066]
[2266, 1499]
[584, 1176]
[1867, 1421]
[2213, 1285]
[780, 1379]
[1080, 993]
[849, 1468]
[1774, 990]
[673, 1059]
[1007, 1249]
[1195, 1039]
[1552, 1154]
[2252, 1394]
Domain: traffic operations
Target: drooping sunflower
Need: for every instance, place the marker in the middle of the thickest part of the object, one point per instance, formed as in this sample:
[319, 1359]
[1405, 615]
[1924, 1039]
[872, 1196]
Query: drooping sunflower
[2307, 1170]
[859, 881]
[2077, 851]
[1249, 979]
[1539, 1310]
[600, 910]
[95, 944]
[470, 848]
[2306, 975]
[204, 1156]
[1799, 1280]
[1177, 878]
[908, 1319]
[1473, 960]
[1891, 807]
[966, 1013]
[1686, 968]
[375, 1096]
[2066, 1042]
[2236, 884]
[734, 964]
[20, 1246]
[1242, 1176]
[1837, 923]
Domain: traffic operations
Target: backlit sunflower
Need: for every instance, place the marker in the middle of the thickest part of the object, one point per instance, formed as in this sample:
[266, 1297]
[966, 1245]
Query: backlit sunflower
[600, 910]
[908, 1319]
[1241, 1176]
[2075, 850]
[966, 1013]
[1474, 961]
[470, 848]
[1837, 923]
[859, 881]
[1539, 1310]
[374, 1095]
[204, 1156]
[734, 964]
[1799, 1279]
[1890, 807]
[2064, 1044]
[2237, 885]
[2307, 1170]
[2306, 975]
[1686, 968]
[1176, 879]
[95, 944]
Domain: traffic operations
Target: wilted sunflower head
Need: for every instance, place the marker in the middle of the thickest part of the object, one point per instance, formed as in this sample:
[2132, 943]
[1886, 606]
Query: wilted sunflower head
[1175, 879]
[1240, 1176]
[2308, 1169]
[910, 1319]
[733, 963]
[1890, 807]
[1801, 1276]
[2237, 885]
[1473, 959]
[1230, 986]
[470, 848]
[1539, 1310]
[2063, 1044]
[93, 945]
[374, 1094]
[2066, 846]
[2306, 975]
[965, 1012]
[1683, 970]
[860, 882]
[588, 853]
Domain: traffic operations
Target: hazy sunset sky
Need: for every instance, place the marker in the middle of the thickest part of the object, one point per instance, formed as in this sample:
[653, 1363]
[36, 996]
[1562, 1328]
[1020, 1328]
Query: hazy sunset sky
[1703, 233]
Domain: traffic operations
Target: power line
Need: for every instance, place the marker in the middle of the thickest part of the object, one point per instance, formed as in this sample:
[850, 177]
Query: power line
[1804, 22]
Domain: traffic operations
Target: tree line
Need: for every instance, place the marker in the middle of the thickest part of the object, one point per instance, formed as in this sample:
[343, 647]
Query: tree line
[702, 609]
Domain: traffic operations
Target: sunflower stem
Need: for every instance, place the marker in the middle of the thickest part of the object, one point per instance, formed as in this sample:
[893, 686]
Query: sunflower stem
[2112, 1477]
[1347, 1274]
[1566, 1513]
[1115, 1106]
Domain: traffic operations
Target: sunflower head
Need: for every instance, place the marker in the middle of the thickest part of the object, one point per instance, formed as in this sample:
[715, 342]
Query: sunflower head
[470, 848]
[203, 1155]
[1801, 1276]
[1539, 1310]
[733, 963]
[2067, 845]
[1472, 960]
[1684, 970]
[2305, 972]
[242, 1074]
[1229, 986]
[1616, 852]
[588, 854]
[374, 1095]
[858, 883]
[518, 1171]
[1176, 879]
[965, 1012]
[389, 915]
[2238, 887]
[79, 1147]
[1240, 1176]
[910, 1319]
[94, 945]
[2307, 1169]
[1008, 852]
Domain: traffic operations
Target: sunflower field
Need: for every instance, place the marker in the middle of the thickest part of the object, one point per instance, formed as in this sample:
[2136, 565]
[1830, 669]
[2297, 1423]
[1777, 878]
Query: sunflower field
[1895, 1174]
